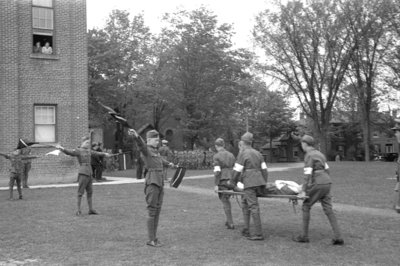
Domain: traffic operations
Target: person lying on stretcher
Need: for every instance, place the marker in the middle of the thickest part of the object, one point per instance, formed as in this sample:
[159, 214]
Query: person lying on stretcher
[279, 187]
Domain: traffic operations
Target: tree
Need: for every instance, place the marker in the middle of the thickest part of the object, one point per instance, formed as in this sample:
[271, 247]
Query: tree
[205, 70]
[369, 21]
[308, 48]
[271, 114]
[117, 56]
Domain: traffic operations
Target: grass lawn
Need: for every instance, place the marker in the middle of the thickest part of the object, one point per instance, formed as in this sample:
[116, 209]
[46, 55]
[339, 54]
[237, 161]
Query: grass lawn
[42, 229]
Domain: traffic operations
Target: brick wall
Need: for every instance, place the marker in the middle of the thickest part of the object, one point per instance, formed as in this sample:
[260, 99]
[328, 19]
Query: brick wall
[59, 79]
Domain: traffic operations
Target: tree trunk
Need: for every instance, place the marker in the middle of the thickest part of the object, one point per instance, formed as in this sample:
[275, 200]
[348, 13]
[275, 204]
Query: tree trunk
[271, 153]
[366, 135]
[323, 140]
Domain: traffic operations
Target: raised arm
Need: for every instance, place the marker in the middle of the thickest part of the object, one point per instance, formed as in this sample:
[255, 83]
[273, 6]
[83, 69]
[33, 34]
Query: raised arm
[67, 151]
[139, 141]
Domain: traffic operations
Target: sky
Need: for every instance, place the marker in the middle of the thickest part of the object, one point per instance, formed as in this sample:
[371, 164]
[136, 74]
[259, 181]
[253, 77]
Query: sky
[237, 12]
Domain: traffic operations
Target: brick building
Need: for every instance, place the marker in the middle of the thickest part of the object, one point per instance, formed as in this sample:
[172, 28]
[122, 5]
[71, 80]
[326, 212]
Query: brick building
[43, 96]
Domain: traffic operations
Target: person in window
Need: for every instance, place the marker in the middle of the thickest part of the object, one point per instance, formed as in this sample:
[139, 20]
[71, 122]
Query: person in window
[46, 49]
[37, 49]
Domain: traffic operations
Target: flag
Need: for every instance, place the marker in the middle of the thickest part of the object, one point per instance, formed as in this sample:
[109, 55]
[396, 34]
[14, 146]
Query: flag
[116, 116]
[55, 152]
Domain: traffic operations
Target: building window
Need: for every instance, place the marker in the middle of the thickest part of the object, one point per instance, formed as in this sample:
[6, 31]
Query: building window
[375, 135]
[45, 123]
[43, 26]
[389, 148]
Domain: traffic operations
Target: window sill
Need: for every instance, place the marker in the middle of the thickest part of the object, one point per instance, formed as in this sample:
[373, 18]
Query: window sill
[45, 56]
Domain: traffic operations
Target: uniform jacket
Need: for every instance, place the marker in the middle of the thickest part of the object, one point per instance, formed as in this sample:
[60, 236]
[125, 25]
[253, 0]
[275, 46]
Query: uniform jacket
[250, 164]
[223, 165]
[153, 162]
[84, 159]
[315, 168]
[18, 162]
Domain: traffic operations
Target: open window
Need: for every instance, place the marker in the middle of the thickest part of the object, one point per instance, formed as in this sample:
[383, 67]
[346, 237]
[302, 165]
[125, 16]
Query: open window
[43, 26]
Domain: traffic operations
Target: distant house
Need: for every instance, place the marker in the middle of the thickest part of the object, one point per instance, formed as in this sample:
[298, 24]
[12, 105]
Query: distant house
[284, 149]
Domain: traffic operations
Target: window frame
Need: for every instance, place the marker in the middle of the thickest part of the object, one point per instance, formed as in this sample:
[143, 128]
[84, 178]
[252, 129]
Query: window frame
[43, 32]
[37, 124]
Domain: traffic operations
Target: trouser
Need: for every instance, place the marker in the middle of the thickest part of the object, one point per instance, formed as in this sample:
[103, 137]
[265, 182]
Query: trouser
[139, 168]
[226, 203]
[27, 168]
[154, 199]
[15, 178]
[85, 183]
[97, 171]
[250, 207]
[320, 193]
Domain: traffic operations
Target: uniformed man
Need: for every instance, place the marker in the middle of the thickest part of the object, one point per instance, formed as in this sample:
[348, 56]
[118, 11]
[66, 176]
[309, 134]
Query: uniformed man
[317, 186]
[85, 173]
[397, 188]
[166, 154]
[223, 162]
[17, 159]
[250, 166]
[154, 182]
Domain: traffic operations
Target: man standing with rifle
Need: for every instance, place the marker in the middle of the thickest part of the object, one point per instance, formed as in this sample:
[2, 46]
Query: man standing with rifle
[154, 182]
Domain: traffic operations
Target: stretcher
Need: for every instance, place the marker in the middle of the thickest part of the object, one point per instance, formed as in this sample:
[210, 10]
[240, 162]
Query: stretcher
[292, 198]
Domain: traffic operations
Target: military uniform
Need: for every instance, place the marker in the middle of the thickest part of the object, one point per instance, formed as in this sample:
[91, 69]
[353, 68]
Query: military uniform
[317, 187]
[154, 184]
[16, 173]
[223, 162]
[252, 169]
[85, 174]
[17, 168]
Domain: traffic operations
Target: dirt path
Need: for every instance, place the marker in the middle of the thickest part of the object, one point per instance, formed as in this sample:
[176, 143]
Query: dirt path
[337, 206]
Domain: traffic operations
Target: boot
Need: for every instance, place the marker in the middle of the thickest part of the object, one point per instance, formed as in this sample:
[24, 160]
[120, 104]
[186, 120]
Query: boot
[156, 219]
[11, 194]
[335, 227]
[78, 213]
[306, 222]
[228, 214]
[246, 220]
[151, 228]
[91, 210]
[257, 225]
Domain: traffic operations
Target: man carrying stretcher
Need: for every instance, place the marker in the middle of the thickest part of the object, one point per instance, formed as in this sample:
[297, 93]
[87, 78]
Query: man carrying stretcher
[252, 170]
[317, 187]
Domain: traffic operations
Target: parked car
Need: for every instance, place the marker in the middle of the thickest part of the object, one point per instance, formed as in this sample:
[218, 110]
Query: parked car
[390, 157]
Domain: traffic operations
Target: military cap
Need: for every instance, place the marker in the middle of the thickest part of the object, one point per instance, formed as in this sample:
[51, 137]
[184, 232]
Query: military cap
[247, 137]
[164, 141]
[23, 143]
[308, 140]
[152, 134]
[219, 142]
